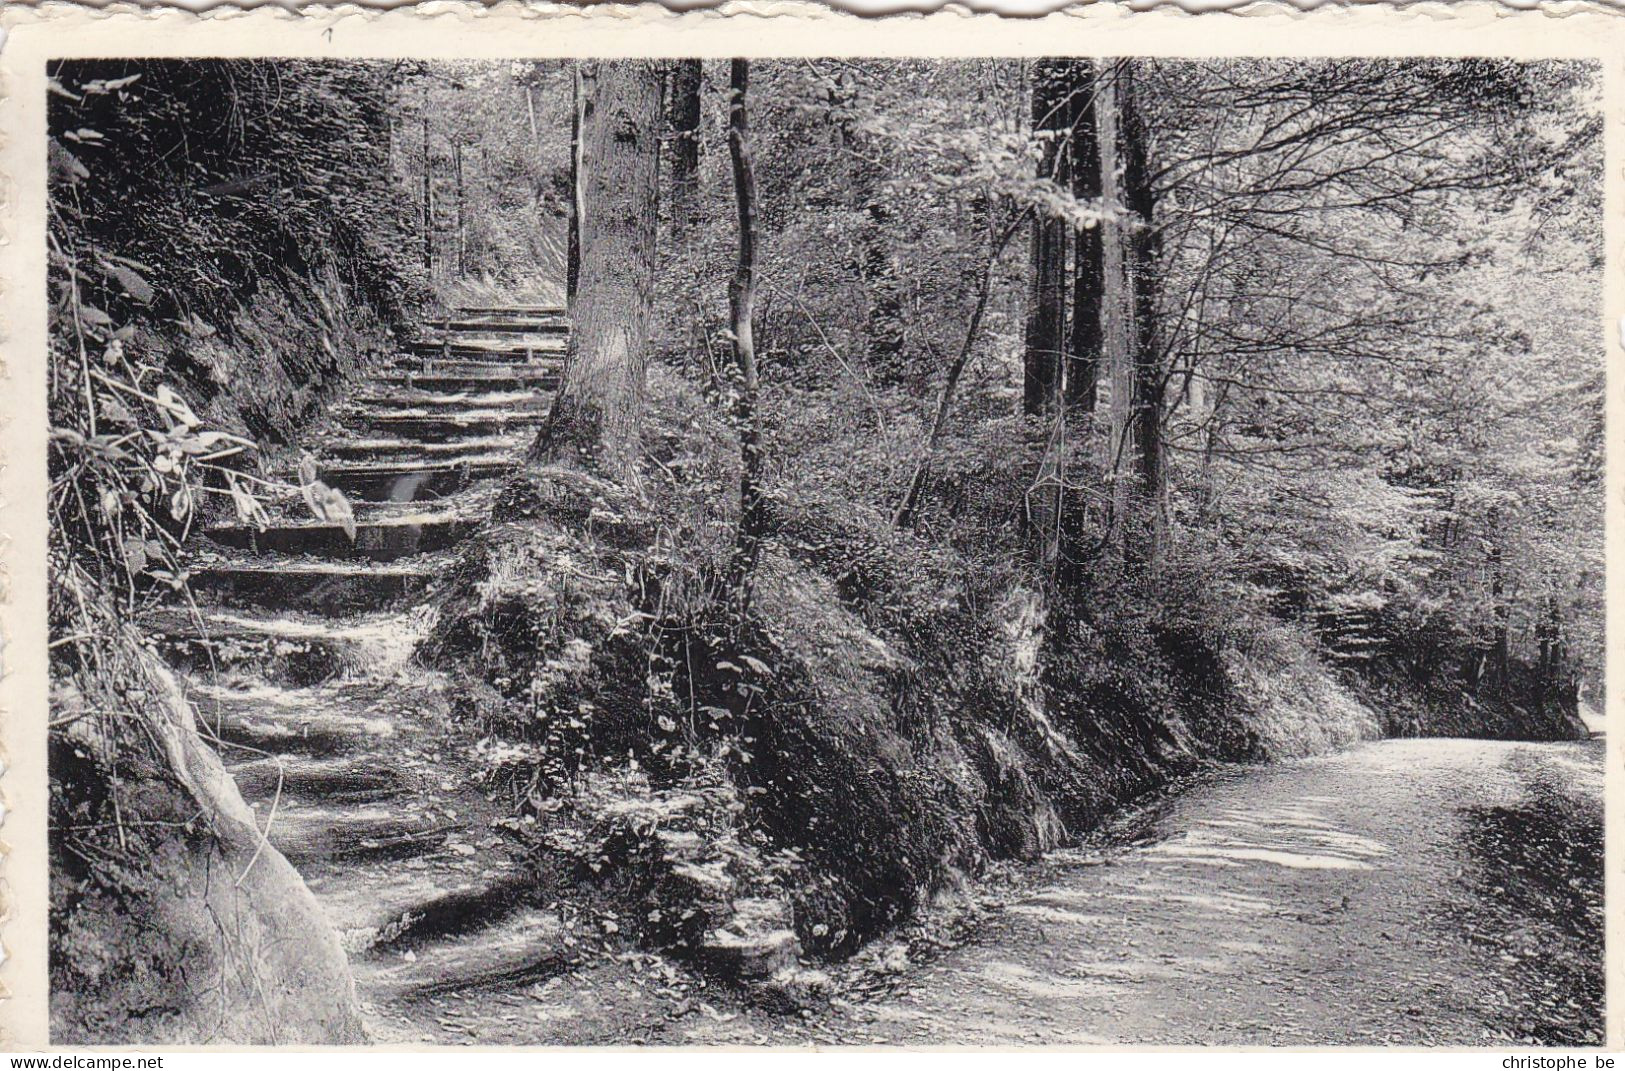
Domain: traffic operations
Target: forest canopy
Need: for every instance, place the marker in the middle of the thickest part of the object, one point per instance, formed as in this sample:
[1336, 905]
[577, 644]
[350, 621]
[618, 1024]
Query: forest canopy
[1368, 311]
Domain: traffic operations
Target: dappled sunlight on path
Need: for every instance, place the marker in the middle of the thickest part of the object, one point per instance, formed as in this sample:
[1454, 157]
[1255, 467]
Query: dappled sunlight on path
[1323, 901]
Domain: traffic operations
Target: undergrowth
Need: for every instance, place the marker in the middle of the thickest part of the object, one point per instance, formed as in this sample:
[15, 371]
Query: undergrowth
[220, 258]
[899, 709]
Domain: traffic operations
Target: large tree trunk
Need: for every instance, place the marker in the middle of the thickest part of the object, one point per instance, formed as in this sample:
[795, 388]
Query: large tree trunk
[596, 415]
[684, 120]
[1134, 445]
[1145, 545]
[1082, 372]
[742, 303]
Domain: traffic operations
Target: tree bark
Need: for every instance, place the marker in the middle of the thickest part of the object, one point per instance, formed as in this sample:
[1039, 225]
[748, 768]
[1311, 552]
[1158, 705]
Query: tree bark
[596, 416]
[1046, 305]
[462, 215]
[1145, 546]
[742, 304]
[684, 119]
[428, 192]
[572, 256]
[1082, 373]
[1128, 306]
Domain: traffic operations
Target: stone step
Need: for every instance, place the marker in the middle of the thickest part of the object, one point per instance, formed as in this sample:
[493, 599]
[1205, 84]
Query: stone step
[410, 451]
[262, 720]
[309, 832]
[756, 942]
[501, 325]
[414, 364]
[379, 539]
[509, 312]
[385, 904]
[440, 426]
[281, 651]
[494, 349]
[543, 336]
[315, 586]
[333, 780]
[408, 480]
[434, 400]
[484, 376]
[527, 945]
[499, 893]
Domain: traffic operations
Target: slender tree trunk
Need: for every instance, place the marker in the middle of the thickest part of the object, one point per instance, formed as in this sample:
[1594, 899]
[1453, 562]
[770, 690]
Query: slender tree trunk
[535, 136]
[1501, 613]
[462, 225]
[686, 80]
[909, 507]
[1116, 308]
[884, 326]
[596, 416]
[742, 303]
[1213, 411]
[1046, 305]
[882, 290]
[428, 192]
[572, 256]
[1546, 639]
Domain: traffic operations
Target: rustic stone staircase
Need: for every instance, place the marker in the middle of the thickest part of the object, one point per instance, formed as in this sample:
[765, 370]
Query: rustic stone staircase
[299, 658]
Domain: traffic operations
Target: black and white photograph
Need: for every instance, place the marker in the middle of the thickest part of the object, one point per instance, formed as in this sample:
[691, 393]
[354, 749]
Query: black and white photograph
[827, 550]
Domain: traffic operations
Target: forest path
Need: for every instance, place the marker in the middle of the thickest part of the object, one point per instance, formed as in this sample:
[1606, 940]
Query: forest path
[1414, 892]
[1406, 892]
[300, 662]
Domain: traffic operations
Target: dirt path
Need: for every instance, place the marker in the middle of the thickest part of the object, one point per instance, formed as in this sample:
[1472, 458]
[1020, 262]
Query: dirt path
[1339, 900]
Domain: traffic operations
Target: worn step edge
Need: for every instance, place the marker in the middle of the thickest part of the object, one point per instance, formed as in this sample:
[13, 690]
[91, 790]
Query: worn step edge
[349, 779]
[252, 723]
[307, 833]
[321, 586]
[528, 944]
[478, 401]
[362, 449]
[533, 309]
[375, 539]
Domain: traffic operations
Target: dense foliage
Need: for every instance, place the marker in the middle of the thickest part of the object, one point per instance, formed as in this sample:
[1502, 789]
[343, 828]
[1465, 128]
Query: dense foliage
[481, 154]
[224, 250]
[205, 215]
[1382, 378]
[1366, 305]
